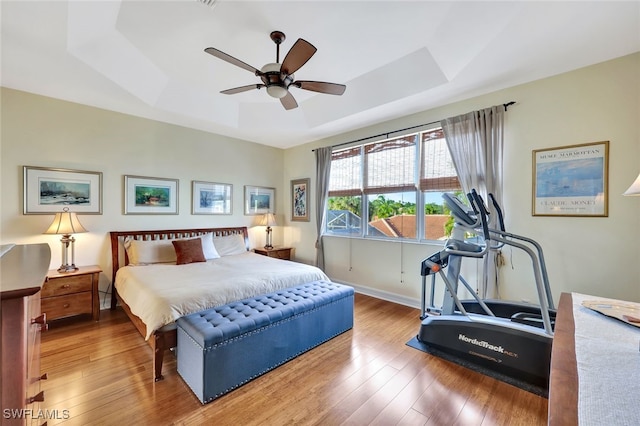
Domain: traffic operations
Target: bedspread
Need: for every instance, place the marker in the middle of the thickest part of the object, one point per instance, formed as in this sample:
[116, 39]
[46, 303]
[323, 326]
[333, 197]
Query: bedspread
[161, 293]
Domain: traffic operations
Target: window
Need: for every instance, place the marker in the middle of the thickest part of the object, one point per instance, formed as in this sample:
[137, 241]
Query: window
[375, 189]
[344, 207]
[437, 175]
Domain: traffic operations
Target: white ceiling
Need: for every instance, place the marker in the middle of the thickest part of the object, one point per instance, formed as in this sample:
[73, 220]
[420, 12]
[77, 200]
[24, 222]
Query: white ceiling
[146, 58]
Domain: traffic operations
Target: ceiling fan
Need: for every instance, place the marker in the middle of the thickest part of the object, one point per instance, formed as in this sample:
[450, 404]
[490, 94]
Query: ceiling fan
[278, 78]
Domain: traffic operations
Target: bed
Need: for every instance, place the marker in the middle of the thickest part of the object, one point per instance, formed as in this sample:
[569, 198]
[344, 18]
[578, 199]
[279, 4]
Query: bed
[153, 290]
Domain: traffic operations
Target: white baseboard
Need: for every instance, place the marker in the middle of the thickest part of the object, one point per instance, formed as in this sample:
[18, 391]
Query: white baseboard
[384, 295]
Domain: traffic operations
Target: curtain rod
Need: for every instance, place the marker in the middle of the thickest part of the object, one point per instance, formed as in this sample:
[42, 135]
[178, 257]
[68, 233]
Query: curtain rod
[507, 105]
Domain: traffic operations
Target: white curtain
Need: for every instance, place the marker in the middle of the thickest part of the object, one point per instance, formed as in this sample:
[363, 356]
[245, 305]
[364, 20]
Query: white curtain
[475, 141]
[323, 169]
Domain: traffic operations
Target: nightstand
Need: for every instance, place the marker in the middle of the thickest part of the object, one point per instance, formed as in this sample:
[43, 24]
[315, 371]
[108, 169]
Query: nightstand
[66, 294]
[278, 252]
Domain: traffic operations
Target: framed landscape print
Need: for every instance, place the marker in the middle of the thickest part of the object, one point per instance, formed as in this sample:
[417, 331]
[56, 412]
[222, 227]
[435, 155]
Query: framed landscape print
[150, 195]
[571, 180]
[48, 191]
[211, 198]
[300, 200]
[259, 200]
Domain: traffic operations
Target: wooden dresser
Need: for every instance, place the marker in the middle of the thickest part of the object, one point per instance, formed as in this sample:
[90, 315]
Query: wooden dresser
[563, 380]
[22, 273]
[594, 363]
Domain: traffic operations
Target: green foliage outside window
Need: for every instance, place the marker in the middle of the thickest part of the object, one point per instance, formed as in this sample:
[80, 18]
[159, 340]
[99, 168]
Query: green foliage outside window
[382, 207]
[352, 204]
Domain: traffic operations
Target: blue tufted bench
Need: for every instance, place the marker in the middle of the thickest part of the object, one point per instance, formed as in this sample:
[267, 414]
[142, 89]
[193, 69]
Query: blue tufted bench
[221, 348]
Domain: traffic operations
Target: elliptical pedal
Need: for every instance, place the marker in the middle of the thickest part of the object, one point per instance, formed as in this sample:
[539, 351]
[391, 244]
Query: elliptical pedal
[534, 320]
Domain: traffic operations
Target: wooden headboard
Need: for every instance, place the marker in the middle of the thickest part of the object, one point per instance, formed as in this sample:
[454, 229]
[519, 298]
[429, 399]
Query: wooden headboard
[118, 252]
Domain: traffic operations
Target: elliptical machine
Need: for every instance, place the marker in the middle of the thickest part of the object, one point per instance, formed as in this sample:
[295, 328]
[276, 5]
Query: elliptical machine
[515, 340]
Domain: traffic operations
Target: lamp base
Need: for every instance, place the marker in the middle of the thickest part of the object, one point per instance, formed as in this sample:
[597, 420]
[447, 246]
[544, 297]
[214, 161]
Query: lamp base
[67, 268]
[67, 240]
[268, 245]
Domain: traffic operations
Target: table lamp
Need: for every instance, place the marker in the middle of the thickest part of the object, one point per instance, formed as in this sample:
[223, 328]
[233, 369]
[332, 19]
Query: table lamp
[66, 223]
[634, 189]
[268, 220]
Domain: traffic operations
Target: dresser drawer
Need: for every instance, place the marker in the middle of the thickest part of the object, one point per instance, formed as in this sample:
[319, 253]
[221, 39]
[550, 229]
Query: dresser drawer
[71, 304]
[67, 285]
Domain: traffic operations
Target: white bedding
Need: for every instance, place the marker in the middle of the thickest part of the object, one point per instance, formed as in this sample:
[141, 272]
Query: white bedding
[161, 293]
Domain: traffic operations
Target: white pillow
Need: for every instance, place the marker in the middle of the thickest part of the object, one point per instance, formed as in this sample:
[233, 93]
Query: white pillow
[208, 248]
[148, 252]
[162, 251]
[230, 244]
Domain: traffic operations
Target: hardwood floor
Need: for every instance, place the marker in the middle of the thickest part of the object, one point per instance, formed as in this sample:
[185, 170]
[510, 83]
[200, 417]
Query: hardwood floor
[100, 373]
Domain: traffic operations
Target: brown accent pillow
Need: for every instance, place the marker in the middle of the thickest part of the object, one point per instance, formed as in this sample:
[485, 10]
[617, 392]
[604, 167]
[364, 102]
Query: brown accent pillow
[188, 251]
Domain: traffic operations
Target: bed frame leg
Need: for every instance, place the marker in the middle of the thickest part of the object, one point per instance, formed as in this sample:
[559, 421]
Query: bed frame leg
[158, 356]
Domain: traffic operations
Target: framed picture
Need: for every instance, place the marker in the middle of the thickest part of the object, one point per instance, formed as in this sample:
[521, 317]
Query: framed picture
[149, 195]
[571, 180]
[211, 198]
[300, 200]
[48, 191]
[259, 200]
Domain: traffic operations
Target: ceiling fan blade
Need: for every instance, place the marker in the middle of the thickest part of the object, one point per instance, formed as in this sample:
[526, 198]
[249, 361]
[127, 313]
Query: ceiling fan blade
[289, 102]
[242, 89]
[225, 57]
[321, 87]
[300, 53]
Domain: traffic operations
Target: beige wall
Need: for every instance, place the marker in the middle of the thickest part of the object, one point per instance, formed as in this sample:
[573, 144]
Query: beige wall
[597, 256]
[40, 131]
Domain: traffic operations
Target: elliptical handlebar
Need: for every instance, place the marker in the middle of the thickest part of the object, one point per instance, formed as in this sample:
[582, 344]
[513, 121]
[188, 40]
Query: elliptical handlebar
[483, 213]
[498, 210]
[472, 203]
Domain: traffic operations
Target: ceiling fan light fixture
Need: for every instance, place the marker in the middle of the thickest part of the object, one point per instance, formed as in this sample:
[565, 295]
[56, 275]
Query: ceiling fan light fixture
[277, 91]
[273, 67]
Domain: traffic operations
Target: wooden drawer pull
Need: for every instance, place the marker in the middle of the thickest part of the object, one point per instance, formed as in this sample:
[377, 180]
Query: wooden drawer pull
[66, 286]
[38, 398]
[66, 305]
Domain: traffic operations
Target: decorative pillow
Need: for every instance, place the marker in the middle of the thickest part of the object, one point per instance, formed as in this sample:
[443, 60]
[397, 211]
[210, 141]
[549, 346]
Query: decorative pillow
[151, 251]
[208, 248]
[230, 244]
[188, 251]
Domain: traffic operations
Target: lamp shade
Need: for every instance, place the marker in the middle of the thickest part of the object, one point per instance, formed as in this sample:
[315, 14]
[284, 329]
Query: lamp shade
[268, 220]
[634, 189]
[65, 223]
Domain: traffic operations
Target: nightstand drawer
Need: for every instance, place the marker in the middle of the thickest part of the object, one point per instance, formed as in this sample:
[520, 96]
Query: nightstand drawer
[277, 252]
[281, 254]
[63, 306]
[67, 285]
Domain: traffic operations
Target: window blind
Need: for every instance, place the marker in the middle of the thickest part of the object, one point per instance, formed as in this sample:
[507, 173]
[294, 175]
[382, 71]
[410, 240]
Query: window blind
[390, 165]
[437, 172]
[346, 172]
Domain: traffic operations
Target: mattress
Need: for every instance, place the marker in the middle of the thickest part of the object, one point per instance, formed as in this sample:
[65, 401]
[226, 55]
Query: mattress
[161, 293]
